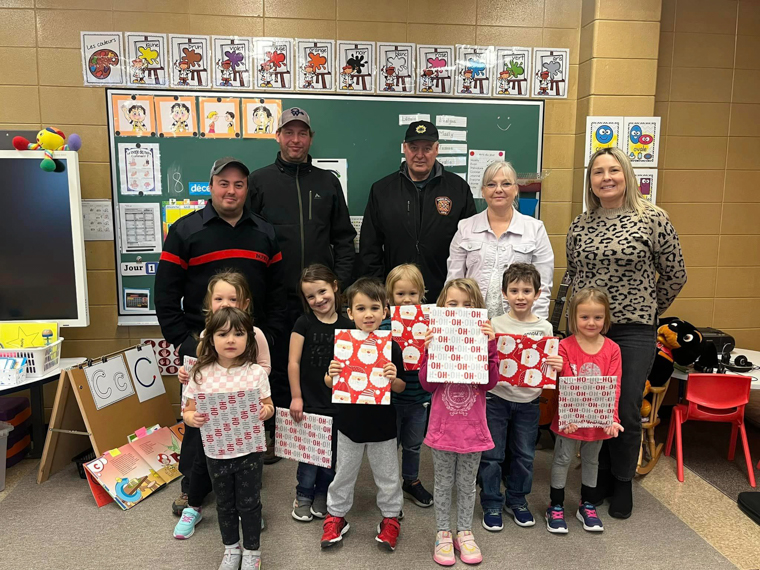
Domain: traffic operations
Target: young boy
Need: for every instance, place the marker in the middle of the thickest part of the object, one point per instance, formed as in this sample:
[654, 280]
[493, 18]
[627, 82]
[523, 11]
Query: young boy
[370, 427]
[512, 413]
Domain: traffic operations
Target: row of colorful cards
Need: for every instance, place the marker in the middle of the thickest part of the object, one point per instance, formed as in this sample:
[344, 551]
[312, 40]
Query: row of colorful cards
[282, 64]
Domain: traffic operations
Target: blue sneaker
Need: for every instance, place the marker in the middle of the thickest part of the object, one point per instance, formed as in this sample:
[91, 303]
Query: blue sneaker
[587, 515]
[186, 525]
[521, 514]
[555, 520]
[492, 520]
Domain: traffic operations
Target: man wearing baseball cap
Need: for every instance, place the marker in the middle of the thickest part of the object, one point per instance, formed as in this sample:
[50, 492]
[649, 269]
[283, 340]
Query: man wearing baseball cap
[412, 214]
[223, 235]
[307, 208]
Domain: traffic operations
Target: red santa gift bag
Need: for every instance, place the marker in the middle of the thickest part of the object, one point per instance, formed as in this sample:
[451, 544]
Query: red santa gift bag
[363, 356]
[409, 324]
[522, 360]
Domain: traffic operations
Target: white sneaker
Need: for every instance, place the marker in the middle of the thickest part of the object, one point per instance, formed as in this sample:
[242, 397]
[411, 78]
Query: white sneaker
[250, 561]
[231, 560]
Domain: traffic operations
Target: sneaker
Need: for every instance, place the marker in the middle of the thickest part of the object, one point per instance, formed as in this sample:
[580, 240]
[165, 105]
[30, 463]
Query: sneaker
[186, 525]
[492, 520]
[319, 506]
[302, 510]
[179, 504]
[232, 558]
[333, 530]
[250, 561]
[469, 552]
[443, 553]
[521, 515]
[587, 515]
[387, 532]
[417, 494]
[555, 520]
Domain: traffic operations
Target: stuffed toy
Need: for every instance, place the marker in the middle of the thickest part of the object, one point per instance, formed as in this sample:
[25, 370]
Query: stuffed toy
[49, 140]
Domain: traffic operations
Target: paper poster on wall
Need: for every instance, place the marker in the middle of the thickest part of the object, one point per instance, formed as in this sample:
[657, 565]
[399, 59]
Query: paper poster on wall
[97, 217]
[109, 382]
[136, 300]
[220, 117]
[479, 161]
[475, 68]
[308, 441]
[356, 221]
[448, 148]
[436, 68]
[173, 211]
[450, 121]
[355, 67]
[602, 132]
[449, 161]
[459, 350]
[146, 63]
[274, 63]
[409, 325]
[176, 116]
[409, 118]
[260, 118]
[232, 62]
[451, 135]
[140, 169]
[339, 167]
[189, 61]
[642, 140]
[395, 64]
[647, 179]
[550, 69]
[133, 115]
[587, 401]
[316, 65]
[143, 366]
[522, 360]
[512, 72]
[139, 225]
[102, 59]
[363, 355]
[233, 425]
[166, 355]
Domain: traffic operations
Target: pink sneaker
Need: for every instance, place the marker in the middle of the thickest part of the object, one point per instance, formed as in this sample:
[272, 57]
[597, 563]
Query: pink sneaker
[469, 552]
[444, 549]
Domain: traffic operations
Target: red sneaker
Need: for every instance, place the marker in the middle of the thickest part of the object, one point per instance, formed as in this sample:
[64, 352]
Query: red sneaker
[387, 532]
[333, 530]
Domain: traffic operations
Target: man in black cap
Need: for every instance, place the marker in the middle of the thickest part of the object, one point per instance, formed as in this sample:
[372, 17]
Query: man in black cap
[412, 215]
[223, 235]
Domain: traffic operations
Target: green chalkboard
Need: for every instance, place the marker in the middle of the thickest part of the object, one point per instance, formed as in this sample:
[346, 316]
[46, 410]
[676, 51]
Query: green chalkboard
[364, 130]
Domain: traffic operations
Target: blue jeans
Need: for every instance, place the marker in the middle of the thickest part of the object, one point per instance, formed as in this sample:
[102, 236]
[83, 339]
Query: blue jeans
[514, 424]
[411, 421]
[312, 481]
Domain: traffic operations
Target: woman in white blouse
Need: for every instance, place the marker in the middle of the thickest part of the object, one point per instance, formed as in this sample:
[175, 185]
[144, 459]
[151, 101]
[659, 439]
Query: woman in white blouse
[488, 242]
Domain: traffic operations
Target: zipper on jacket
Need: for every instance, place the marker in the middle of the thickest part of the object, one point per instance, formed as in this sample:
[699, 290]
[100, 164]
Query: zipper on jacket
[309, 205]
[300, 213]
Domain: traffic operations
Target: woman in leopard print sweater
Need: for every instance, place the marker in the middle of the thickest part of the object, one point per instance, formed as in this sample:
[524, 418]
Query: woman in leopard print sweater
[627, 247]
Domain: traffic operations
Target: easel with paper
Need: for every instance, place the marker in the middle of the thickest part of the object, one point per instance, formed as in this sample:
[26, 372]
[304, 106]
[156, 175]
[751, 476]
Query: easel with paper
[100, 402]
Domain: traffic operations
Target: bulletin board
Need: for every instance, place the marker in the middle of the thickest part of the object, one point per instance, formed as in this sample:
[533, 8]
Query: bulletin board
[176, 152]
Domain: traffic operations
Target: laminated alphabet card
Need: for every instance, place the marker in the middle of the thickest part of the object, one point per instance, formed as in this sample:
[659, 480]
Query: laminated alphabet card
[363, 356]
[190, 61]
[587, 401]
[146, 59]
[409, 325]
[233, 426]
[355, 67]
[522, 360]
[316, 65]
[102, 58]
[395, 68]
[436, 69]
[459, 350]
[308, 441]
[512, 72]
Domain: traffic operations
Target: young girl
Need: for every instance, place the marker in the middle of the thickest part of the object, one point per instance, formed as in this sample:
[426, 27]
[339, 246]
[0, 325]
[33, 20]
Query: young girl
[406, 286]
[227, 363]
[225, 289]
[311, 350]
[457, 434]
[586, 353]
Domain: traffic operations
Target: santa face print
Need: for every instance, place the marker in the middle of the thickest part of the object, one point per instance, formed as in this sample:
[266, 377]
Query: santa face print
[531, 378]
[411, 355]
[377, 379]
[530, 357]
[343, 349]
[367, 353]
[419, 330]
[407, 312]
[507, 368]
[397, 328]
[357, 381]
[506, 344]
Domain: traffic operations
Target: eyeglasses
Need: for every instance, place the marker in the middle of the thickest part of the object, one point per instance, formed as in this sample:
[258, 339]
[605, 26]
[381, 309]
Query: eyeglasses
[504, 185]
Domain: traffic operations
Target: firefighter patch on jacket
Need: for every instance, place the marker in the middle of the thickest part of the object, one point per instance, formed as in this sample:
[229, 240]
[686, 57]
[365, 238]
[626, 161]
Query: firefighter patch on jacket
[443, 204]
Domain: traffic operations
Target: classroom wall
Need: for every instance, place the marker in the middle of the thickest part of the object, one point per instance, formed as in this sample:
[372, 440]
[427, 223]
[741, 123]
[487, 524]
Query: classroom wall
[41, 78]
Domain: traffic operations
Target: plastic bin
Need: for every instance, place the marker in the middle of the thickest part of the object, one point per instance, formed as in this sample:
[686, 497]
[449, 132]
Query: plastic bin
[39, 360]
[5, 429]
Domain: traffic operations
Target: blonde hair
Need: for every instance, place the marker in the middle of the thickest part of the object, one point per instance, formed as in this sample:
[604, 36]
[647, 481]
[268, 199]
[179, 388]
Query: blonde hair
[238, 281]
[467, 286]
[408, 272]
[498, 167]
[589, 295]
[212, 114]
[633, 199]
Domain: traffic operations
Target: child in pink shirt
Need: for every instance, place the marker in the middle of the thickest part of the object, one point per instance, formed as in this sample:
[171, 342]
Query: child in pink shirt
[457, 434]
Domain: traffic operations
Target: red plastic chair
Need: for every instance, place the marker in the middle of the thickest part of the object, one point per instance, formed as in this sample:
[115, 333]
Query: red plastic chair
[713, 398]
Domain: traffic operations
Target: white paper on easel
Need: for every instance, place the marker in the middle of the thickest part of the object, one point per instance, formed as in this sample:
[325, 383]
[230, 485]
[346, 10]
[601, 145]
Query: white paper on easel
[479, 161]
[109, 382]
[338, 167]
[143, 366]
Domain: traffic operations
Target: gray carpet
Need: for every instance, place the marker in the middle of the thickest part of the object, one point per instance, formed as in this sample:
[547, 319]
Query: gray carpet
[57, 525]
